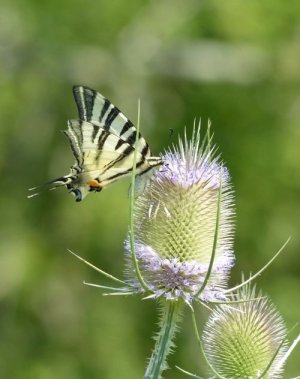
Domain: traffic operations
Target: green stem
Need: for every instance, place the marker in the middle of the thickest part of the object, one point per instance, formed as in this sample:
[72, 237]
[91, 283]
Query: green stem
[131, 210]
[218, 376]
[170, 317]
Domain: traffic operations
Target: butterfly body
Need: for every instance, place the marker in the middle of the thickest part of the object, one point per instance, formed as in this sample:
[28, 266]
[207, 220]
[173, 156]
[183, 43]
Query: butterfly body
[103, 142]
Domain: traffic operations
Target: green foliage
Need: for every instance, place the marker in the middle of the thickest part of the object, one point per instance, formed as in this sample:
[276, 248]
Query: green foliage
[233, 62]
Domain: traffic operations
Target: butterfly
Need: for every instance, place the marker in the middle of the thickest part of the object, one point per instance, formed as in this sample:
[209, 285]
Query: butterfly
[103, 142]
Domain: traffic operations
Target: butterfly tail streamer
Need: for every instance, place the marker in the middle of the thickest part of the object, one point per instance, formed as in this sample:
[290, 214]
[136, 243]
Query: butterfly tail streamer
[67, 180]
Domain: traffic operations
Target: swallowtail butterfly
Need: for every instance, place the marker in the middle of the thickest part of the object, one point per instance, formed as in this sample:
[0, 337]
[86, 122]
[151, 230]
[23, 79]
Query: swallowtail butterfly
[103, 142]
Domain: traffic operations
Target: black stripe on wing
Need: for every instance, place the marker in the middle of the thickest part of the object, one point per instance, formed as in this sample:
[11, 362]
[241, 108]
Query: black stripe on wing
[95, 132]
[128, 124]
[123, 155]
[123, 173]
[101, 141]
[111, 117]
[104, 109]
[73, 133]
[120, 143]
[132, 137]
[77, 154]
[85, 100]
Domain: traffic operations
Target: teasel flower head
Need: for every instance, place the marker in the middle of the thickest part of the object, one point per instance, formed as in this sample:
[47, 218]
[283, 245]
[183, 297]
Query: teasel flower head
[185, 213]
[247, 339]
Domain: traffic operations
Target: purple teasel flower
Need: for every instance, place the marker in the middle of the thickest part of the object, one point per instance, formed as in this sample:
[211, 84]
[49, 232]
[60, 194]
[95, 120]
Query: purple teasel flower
[175, 221]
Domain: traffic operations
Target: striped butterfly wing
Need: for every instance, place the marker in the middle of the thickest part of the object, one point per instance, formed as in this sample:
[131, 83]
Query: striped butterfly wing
[95, 108]
[100, 157]
[103, 143]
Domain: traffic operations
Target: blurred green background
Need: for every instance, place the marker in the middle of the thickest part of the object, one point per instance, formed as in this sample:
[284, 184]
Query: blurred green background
[235, 62]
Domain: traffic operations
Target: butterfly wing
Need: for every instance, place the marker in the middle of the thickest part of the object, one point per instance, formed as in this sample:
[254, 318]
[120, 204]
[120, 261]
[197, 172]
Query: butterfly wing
[101, 158]
[103, 142]
[95, 108]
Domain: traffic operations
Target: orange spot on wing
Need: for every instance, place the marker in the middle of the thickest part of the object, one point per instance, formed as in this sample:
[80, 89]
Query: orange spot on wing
[94, 184]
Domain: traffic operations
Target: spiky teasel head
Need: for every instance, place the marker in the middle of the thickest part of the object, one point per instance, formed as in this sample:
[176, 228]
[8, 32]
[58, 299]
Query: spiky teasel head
[175, 222]
[247, 339]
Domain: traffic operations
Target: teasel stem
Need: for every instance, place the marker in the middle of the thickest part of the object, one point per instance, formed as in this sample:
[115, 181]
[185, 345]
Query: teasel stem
[164, 341]
[132, 198]
[201, 347]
